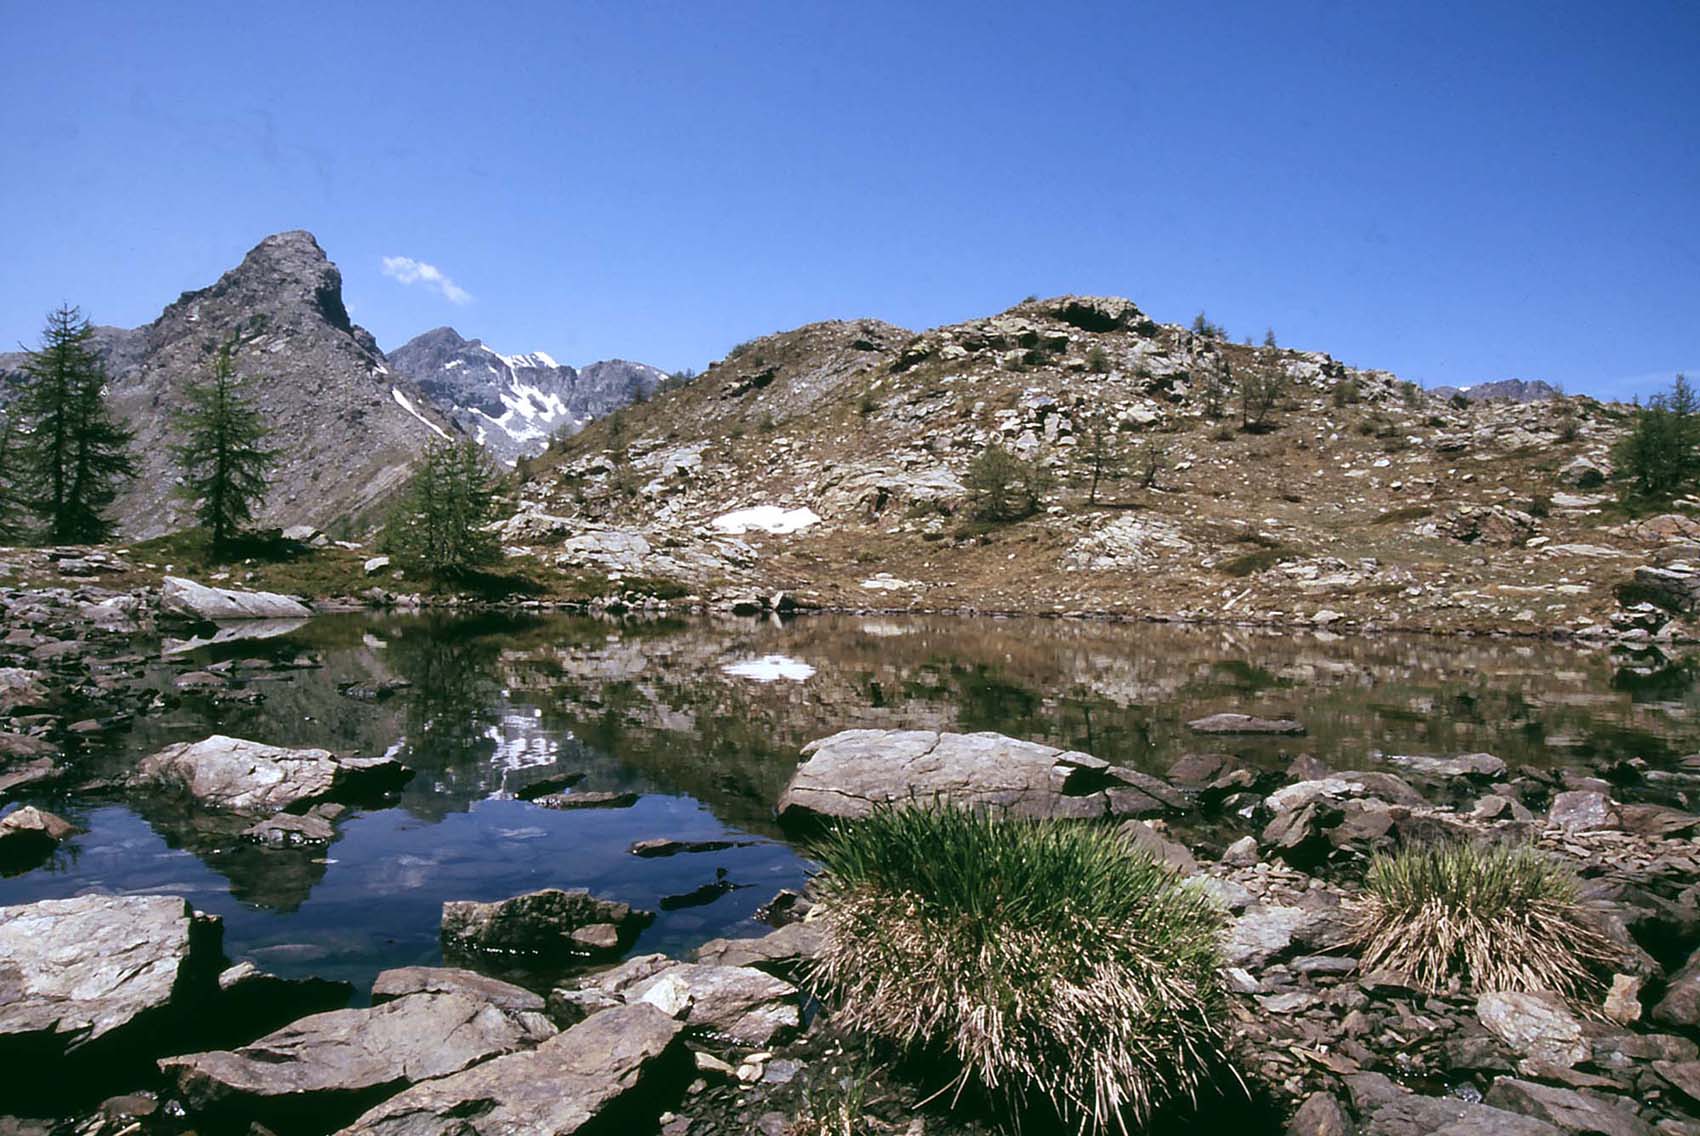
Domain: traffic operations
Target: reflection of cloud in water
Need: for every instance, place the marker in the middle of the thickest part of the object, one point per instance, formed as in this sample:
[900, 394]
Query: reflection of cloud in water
[770, 668]
[531, 832]
[404, 873]
[882, 629]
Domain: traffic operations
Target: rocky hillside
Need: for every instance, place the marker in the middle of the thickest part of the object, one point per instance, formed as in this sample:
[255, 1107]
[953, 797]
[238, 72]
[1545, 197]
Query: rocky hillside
[346, 427]
[831, 462]
[513, 403]
[1507, 390]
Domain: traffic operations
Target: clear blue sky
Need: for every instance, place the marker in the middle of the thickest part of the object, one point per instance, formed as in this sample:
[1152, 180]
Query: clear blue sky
[1453, 192]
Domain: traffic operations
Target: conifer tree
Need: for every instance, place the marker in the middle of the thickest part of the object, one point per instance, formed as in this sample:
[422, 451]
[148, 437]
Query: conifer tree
[1102, 456]
[73, 454]
[222, 458]
[440, 523]
[11, 525]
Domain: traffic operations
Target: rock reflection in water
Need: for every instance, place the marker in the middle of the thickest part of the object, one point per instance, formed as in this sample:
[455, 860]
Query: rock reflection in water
[483, 707]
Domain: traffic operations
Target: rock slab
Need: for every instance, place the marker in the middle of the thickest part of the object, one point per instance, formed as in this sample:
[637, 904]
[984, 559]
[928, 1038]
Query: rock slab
[179, 596]
[571, 1081]
[252, 777]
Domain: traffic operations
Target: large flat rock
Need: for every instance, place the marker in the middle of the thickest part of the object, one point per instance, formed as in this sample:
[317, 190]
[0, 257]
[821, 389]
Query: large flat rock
[587, 1075]
[344, 1061]
[78, 971]
[850, 773]
[179, 596]
[732, 1003]
[252, 777]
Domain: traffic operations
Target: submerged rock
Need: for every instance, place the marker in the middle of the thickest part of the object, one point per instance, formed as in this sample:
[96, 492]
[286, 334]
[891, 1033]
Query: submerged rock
[547, 922]
[1244, 724]
[849, 773]
[178, 596]
[346, 1060]
[244, 776]
[586, 1076]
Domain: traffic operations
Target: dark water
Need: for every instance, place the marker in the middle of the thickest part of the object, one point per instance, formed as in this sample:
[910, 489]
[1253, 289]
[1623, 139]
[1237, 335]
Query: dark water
[704, 719]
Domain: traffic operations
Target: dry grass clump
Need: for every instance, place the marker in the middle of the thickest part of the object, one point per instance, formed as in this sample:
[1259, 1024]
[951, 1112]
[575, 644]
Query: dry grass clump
[1042, 961]
[1490, 917]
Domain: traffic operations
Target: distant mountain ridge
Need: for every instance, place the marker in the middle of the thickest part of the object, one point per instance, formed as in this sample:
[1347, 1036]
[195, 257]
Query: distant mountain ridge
[1503, 390]
[514, 403]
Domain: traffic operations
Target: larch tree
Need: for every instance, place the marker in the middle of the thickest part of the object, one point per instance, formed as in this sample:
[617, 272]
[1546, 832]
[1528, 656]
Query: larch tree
[223, 461]
[73, 455]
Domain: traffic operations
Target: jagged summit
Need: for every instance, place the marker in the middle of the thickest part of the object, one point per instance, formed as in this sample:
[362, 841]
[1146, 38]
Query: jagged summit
[514, 403]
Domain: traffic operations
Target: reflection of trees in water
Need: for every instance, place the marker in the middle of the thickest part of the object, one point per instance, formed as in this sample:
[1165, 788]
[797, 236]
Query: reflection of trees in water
[454, 706]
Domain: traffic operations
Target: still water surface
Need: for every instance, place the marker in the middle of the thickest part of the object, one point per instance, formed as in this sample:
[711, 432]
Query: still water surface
[704, 718]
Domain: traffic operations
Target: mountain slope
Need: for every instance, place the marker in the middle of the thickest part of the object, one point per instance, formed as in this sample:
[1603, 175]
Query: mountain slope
[833, 461]
[513, 403]
[347, 429]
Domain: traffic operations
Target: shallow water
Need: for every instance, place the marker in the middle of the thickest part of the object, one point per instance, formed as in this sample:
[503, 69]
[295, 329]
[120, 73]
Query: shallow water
[704, 718]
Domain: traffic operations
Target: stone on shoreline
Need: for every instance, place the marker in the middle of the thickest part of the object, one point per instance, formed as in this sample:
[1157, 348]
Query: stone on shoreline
[399, 982]
[179, 596]
[97, 968]
[347, 1060]
[733, 1003]
[852, 772]
[566, 1085]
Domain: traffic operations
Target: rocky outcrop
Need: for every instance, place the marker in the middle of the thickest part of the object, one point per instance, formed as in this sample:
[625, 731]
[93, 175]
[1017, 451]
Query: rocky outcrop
[851, 773]
[550, 922]
[251, 777]
[100, 972]
[1244, 724]
[575, 1081]
[335, 1065]
[178, 596]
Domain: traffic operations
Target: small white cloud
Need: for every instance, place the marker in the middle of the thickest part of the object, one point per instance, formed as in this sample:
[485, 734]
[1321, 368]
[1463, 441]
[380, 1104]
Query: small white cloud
[409, 271]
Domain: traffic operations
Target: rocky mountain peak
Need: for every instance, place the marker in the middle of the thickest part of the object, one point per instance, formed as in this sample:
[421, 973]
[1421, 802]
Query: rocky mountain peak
[285, 274]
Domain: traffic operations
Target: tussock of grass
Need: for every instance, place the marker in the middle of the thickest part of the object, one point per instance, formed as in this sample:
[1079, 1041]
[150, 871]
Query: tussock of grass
[1491, 917]
[1043, 961]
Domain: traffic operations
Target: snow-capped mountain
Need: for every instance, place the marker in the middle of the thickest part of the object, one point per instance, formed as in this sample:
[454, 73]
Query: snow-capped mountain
[513, 403]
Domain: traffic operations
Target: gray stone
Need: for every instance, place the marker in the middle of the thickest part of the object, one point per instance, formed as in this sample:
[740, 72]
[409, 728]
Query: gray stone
[27, 829]
[1534, 1025]
[1339, 787]
[399, 982]
[1320, 1115]
[1583, 810]
[734, 1003]
[243, 776]
[1243, 724]
[1567, 1109]
[1685, 1075]
[285, 830]
[1484, 766]
[1385, 1109]
[342, 1059]
[1681, 1004]
[179, 596]
[1263, 933]
[780, 950]
[849, 773]
[547, 922]
[561, 1087]
[73, 971]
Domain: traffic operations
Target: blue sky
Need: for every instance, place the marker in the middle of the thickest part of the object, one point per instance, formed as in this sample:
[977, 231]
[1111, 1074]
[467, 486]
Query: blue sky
[1452, 192]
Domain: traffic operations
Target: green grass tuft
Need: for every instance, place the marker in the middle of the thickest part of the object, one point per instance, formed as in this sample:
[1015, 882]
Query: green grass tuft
[1487, 917]
[1046, 963]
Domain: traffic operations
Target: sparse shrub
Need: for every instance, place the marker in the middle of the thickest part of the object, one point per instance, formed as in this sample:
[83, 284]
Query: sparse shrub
[1101, 456]
[1152, 460]
[1213, 391]
[1460, 402]
[1269, 337]
[1004, 487]
[1660, 455]
[1260, 393]
[1201, 325]
[1098, 360]
[866, 403]
[832, 1109]
[1045, 962]
[1540, 505]
[1411, 393]
[1487, 917]
[765, 422]
[1223, 433]
[1346, 393]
